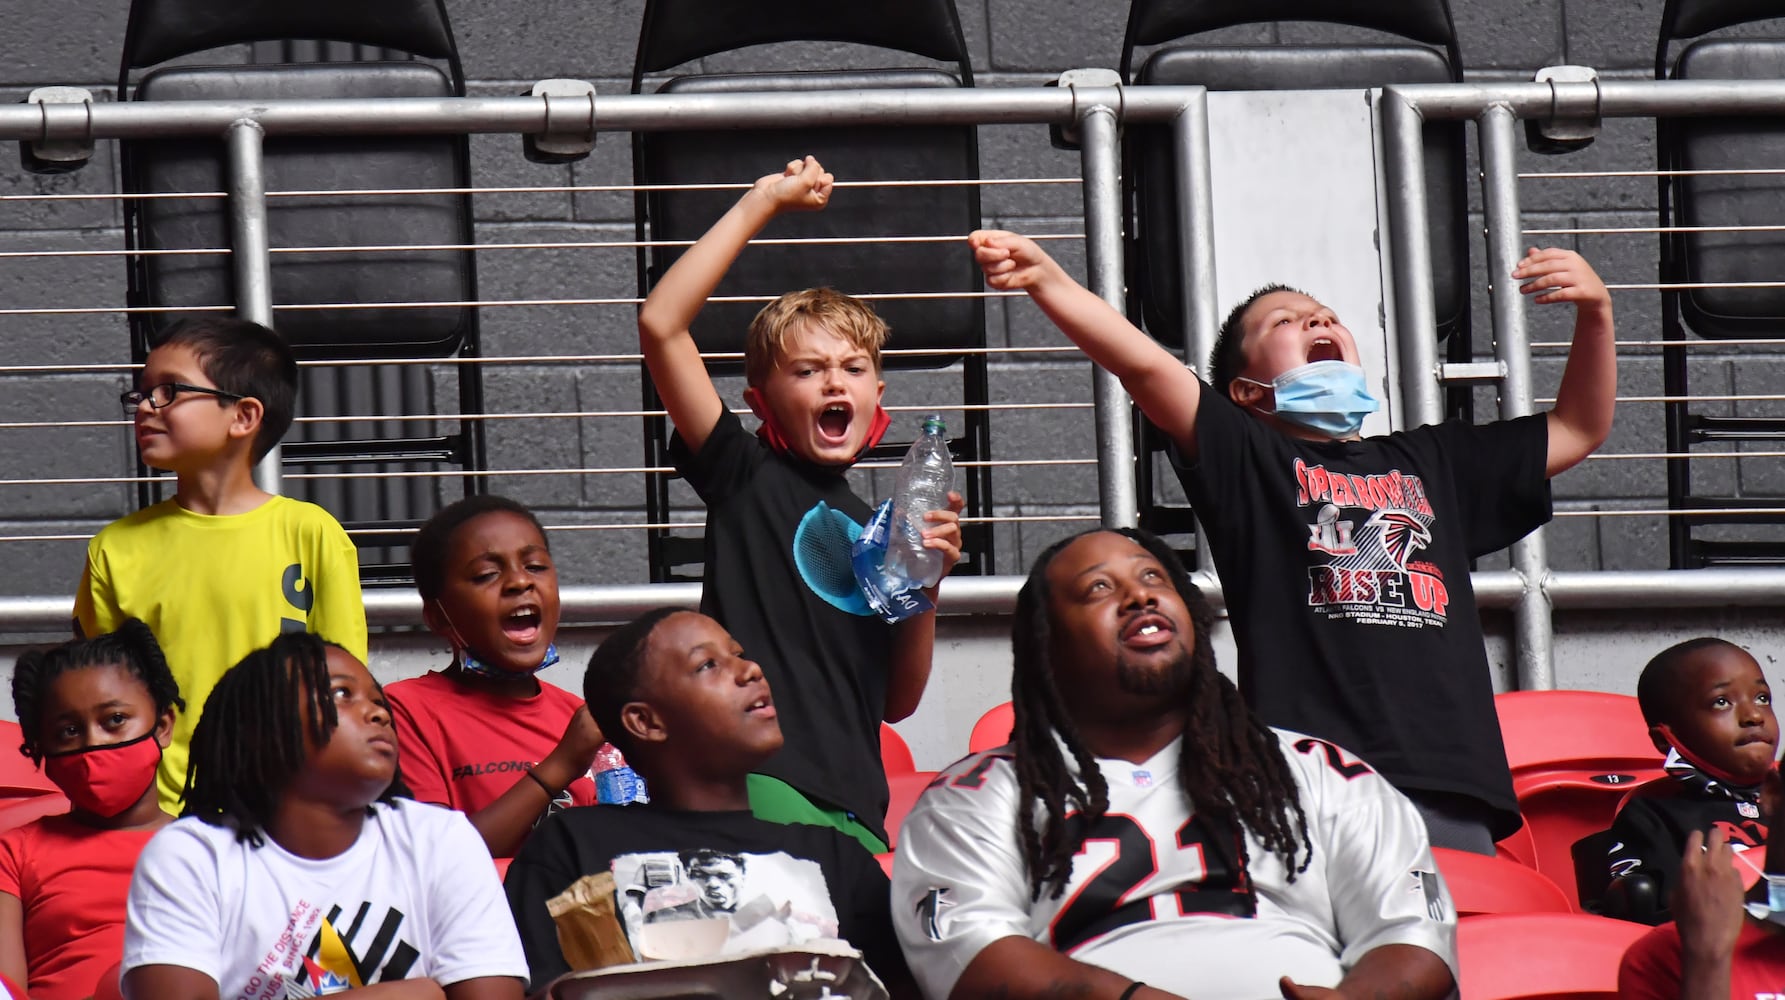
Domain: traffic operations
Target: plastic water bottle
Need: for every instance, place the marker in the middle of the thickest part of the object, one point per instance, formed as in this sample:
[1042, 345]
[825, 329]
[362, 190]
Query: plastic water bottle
[616, 783]
[925, 477]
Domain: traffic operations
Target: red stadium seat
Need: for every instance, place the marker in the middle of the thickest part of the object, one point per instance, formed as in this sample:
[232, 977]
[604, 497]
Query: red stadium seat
[108, 987]
[1561, 807]
[1589, 731]
[992, 729]
[886, 862]
[1481, 884]
[1574, 755]
[1542, 956]
[905, 789]
[895, 754]
[25, 794]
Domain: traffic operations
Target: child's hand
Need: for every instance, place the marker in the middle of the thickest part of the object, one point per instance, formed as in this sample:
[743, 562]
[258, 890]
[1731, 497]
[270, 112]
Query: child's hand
[945, 537]
[1557, 275]
[1010, 262]
[805, 186]
[576, 750]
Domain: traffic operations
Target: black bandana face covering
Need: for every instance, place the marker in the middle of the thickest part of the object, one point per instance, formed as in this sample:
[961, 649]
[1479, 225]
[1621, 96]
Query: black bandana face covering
[1679, 768]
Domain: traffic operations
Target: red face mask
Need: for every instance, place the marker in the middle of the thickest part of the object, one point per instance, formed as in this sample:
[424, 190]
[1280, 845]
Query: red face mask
[772, 435]
[106, 780]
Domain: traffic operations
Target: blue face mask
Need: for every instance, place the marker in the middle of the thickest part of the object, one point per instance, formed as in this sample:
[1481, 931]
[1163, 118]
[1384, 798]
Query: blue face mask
[472, 665]
[1331, 397]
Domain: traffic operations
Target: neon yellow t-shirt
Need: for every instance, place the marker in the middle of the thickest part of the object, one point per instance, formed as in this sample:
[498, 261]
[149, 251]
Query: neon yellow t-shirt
[216, 588]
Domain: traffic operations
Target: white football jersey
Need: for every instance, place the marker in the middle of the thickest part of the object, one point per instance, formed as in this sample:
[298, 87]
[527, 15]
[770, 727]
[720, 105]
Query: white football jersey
[1153, 899]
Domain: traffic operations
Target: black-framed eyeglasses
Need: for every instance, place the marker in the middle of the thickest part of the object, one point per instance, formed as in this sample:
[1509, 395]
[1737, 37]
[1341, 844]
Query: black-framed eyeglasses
[165, 394]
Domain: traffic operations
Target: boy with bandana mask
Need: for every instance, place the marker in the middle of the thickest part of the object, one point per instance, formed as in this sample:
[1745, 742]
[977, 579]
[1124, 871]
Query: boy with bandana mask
[1709, 709]
[812, 368]
[1345, 560]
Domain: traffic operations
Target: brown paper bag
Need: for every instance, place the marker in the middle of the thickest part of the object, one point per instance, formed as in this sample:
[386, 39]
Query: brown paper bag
[589, 931]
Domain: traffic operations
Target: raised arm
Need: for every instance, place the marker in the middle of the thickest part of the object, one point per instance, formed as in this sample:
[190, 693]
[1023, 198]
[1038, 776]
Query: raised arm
[1581, 418]
[505, 823]
[1167, 392]
[663, 321]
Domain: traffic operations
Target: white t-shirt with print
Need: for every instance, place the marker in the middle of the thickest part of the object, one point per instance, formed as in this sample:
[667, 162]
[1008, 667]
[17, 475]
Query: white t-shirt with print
[416, 896]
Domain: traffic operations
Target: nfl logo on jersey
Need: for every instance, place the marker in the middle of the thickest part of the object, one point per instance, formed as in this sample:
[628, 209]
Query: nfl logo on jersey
[1143, 779]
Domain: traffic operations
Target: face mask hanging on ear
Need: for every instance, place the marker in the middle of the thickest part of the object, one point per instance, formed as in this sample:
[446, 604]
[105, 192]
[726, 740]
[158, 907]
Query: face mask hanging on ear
[1331, 397]
[772, 435]
[106, 780]
[471, 664]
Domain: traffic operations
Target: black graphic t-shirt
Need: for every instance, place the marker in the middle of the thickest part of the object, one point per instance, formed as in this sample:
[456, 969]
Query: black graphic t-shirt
[1346, 570]
[670, 864]
[1650, 832]
[825, 667]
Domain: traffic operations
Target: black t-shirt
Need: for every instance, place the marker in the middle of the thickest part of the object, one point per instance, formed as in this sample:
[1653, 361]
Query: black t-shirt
[825, 667]
[1650, 832]
[587, 839]
[1345, 565]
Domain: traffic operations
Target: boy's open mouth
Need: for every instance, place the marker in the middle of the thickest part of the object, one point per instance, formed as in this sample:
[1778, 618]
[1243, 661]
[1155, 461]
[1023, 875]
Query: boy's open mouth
[522, 624]
[1324, 349]
[833, 421]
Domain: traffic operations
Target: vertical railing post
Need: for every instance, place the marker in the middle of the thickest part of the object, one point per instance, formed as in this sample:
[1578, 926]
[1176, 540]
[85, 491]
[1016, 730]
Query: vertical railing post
[1196, 234]
[1512, 347]
[249, 253]
[1117, 503]
[1410, 249]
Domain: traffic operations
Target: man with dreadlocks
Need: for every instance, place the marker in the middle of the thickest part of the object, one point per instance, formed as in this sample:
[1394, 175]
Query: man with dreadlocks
[1144, 835]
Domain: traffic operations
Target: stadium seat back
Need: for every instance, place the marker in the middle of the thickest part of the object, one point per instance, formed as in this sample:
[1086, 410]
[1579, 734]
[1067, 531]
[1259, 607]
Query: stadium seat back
[895, 754]
[1560, 808]
[1583, 731]
[677, 31]
[359, 54]
[904, 789]
[25, 794]
[1728, 272]
[1482, 884]
[993, 728]
[1542, 956]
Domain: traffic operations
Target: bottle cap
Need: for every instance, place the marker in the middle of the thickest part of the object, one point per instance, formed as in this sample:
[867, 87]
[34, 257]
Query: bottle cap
[934, 422]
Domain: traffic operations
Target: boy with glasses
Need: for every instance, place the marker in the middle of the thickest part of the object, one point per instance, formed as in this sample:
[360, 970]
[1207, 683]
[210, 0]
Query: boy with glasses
[223, 567]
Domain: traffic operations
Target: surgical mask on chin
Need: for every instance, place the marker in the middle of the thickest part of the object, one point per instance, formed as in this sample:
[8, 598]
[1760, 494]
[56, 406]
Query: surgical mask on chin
[469, 663]
[1331, 397]
[106, 780]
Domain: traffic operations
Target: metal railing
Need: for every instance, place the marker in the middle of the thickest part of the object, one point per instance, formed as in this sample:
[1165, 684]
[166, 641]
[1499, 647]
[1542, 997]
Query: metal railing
[1530, 589]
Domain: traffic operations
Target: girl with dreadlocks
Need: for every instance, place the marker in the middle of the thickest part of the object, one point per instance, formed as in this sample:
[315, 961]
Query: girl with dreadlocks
[297, 870]
[1143, 827]
[95, 715]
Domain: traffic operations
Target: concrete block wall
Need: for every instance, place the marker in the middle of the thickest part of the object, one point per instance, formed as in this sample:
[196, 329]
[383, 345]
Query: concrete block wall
[508, 44]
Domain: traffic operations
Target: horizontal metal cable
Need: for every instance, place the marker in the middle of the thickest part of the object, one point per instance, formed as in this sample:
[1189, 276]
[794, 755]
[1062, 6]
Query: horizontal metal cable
[539, 359]
[993, 463]
[1589, 174]
[541, 245]
[1694, 343]
[1661, 455]
[624, 526]
[350, 418]
[618, 300]
[535, 189]
[1632, 230]
[1669, 512]
[1711, 398]
[1675, 286]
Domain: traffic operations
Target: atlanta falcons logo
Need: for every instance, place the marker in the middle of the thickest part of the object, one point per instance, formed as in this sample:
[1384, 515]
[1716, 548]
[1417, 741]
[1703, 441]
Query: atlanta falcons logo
[1401, 534]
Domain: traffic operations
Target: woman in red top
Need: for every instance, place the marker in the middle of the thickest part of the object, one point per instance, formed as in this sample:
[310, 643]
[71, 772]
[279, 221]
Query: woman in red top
[95, 714]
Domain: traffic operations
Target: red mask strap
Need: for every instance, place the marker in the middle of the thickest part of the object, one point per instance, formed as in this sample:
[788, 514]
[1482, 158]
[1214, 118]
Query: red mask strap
[876, 430]
[771, 434]
[1723, 776]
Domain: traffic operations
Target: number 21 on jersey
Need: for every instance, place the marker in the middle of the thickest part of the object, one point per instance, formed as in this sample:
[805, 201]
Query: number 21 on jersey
[1123, 876]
